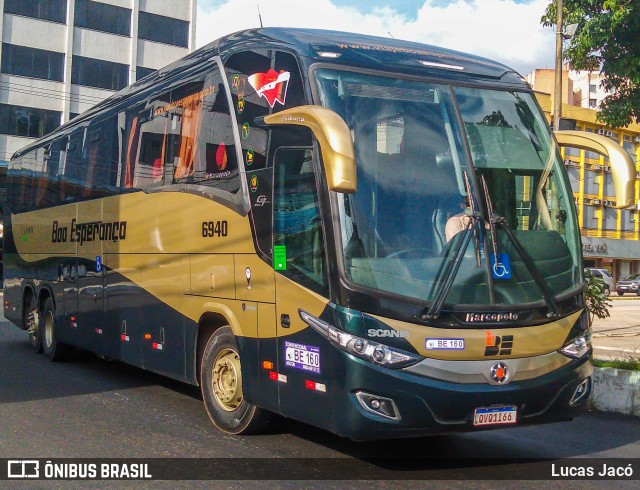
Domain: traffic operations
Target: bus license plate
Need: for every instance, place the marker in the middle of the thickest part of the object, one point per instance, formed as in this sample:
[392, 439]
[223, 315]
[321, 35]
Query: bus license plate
[301, 356]
[495, 416]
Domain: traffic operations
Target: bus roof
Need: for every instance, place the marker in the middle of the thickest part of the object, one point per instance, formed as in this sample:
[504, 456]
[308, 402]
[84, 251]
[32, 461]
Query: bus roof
[315, 45]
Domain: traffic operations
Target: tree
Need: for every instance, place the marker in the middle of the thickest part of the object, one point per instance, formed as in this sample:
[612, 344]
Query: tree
[596, 298]
[607, 39]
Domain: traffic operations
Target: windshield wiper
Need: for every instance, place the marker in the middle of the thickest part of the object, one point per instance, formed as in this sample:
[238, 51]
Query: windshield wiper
[450, 272]
[446, 275]
[496, 219]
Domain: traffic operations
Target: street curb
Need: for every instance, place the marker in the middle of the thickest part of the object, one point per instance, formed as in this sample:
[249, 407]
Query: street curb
[616, 390]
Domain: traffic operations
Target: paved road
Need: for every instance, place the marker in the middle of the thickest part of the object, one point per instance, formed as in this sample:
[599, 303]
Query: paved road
[94, 408]
[618, 337]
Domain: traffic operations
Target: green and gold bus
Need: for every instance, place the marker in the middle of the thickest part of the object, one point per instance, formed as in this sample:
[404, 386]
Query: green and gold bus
[368, 235]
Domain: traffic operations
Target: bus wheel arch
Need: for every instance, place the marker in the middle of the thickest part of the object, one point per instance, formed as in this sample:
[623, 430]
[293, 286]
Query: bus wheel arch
[207, 326]
[220, 378]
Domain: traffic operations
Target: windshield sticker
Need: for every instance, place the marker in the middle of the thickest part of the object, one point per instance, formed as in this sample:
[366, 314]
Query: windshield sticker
[245, 131]
[444, 344]
[254, 183]
[250, 155]
[271, 85]
[280, 257]
[237, 85]
[301, 356]
[501, 268]
[240, 105]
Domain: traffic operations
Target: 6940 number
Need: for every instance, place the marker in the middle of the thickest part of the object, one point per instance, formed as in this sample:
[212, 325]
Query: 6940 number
[214, 228]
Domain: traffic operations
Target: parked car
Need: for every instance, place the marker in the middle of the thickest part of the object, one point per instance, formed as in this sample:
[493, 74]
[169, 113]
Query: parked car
[630, 284]
[603, 274]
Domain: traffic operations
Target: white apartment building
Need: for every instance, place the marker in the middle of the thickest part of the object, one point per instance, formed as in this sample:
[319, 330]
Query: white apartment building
[587, 91]
[60, 57]
[579, 88]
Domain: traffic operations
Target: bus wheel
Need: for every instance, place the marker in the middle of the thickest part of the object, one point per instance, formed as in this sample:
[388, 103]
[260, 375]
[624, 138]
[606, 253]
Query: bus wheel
[52, 348]
[32, 320]
[221, 385]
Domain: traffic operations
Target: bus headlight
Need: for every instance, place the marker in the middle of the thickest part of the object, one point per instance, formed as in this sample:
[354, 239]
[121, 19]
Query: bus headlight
[578, 347]
[578, 342]
[368, 350]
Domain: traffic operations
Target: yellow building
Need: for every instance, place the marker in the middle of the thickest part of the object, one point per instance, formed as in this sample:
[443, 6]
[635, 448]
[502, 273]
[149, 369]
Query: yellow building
[610, 236]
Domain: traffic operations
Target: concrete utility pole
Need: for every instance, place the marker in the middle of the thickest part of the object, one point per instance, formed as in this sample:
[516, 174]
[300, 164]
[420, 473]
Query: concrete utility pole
[557, 95]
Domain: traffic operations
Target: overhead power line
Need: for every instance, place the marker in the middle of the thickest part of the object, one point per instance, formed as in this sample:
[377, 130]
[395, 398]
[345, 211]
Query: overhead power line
[49, 93]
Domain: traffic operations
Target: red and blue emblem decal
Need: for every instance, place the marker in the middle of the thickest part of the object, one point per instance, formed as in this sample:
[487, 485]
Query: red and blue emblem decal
[271, 85]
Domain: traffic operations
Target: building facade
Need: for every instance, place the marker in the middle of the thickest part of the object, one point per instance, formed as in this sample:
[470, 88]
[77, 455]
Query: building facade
[60, 57]
[610, 236]
[579, 88]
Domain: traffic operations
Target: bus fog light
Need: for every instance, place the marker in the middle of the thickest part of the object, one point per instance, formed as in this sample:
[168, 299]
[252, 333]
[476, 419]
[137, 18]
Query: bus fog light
[380, 405]
[582, 391]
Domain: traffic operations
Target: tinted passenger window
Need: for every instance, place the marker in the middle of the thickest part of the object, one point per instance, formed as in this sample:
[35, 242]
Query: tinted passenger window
[296, 218]
[261, 82]
[183, 137]
[101, 155]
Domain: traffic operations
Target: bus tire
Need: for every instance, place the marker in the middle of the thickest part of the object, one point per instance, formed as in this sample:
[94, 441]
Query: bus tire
[51, 346]
[32, 320]
[221, 386]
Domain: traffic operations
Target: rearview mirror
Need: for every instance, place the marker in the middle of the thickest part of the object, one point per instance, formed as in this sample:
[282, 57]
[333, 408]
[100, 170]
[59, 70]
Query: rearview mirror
[335, 141]
[623, 170]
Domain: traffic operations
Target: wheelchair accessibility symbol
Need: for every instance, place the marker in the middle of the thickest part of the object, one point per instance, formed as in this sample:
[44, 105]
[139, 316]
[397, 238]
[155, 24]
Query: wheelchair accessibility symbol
[501, 268]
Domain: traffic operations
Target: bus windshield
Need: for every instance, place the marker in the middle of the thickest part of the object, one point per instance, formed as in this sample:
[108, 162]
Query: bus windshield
[433, 162]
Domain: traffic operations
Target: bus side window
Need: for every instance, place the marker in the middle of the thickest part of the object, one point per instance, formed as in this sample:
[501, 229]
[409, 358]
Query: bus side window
[146, 143]
[247, 72]
[296, 218]
[101, 154]
[74, 168]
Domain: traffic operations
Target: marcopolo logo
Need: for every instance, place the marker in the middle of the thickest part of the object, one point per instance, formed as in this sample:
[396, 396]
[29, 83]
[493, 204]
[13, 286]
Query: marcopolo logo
[490, 317]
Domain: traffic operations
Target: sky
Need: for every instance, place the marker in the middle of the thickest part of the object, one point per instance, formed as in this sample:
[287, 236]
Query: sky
[508, 31]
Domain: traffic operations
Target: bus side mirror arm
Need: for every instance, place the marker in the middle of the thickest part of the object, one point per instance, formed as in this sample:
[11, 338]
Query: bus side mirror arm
[334, 137]
[623, 169]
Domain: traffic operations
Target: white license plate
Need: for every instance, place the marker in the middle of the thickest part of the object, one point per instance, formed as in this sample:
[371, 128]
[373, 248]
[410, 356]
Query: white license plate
[495, 416]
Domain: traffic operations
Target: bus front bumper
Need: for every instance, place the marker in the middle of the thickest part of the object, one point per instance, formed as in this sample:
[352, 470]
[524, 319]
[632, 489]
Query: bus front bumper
[379, 403]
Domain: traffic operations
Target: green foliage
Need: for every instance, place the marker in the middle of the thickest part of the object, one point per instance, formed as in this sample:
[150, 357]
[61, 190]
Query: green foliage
[630, 363]
[607, 39]
[596, 297]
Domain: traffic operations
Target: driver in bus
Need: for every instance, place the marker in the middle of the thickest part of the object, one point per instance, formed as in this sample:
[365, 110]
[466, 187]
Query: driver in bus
[458, 222]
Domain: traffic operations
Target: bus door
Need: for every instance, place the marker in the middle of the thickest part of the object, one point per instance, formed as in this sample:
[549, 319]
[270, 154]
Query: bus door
[299, 260]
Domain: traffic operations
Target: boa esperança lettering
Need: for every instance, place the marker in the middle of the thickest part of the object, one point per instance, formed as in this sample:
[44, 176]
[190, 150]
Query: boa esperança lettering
[89, 232]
